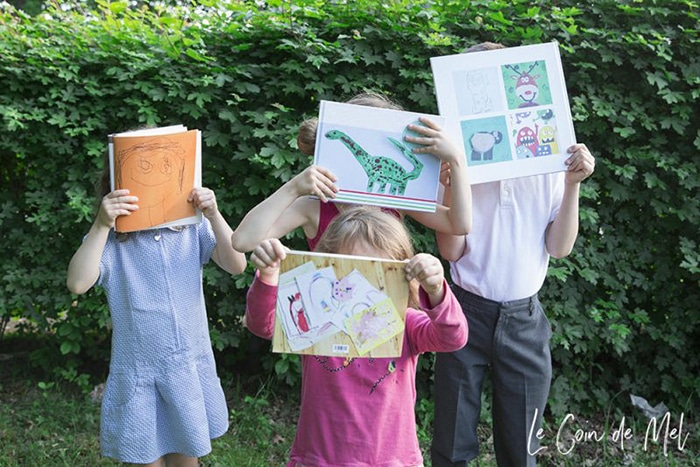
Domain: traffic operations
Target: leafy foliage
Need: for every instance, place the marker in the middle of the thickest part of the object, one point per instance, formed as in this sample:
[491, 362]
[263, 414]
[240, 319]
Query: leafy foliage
[623, 305]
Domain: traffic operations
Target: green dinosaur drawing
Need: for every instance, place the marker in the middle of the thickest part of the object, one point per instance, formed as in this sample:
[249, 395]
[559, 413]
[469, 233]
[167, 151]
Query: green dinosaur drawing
[381, 170]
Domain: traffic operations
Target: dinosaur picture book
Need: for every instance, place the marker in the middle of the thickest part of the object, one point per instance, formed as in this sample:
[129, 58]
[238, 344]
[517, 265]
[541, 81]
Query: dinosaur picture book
[510, 109]
[364, 148]
[340, 306]
[160, 166]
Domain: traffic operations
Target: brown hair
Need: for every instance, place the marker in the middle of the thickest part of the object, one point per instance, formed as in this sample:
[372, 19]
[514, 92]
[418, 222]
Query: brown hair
[306, 139]
[484, 46]
[104, 184]
[377, 229]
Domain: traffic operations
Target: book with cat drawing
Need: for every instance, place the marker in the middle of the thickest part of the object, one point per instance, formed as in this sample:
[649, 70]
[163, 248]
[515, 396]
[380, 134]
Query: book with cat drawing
[160, 166]
[364, 148]
[340, 306]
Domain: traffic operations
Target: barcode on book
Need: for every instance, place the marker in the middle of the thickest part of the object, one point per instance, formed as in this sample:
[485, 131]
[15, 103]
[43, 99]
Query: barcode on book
[341, 348]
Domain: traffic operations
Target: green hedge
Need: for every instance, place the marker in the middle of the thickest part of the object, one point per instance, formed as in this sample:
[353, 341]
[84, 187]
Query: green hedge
[623, 306]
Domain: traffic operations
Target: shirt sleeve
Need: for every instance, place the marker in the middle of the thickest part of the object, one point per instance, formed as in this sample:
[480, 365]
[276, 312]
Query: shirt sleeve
[557, 193]
[260, 308]
[442, 328]
[107, 258]
[207, 240]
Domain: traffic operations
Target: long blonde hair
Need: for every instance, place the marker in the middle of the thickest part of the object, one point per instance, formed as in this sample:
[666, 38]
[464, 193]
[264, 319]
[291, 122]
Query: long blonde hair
[377, 229]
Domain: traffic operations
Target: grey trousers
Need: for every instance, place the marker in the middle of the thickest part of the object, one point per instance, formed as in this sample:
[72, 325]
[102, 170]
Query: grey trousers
[511, 339]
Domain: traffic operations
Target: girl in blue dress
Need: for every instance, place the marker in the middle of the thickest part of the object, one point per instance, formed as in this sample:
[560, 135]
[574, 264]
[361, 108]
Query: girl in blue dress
[163, 401]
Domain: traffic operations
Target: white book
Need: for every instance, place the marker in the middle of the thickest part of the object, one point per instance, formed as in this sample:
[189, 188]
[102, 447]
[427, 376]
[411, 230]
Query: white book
[509, 108]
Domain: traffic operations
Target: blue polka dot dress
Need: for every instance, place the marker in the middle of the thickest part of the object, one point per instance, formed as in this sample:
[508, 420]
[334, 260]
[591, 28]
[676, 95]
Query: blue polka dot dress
[163, 394]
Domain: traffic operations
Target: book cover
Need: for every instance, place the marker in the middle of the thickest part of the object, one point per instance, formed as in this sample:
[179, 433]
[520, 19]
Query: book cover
[364, 147]
[509, 108]
[340, 306]
[160, 166]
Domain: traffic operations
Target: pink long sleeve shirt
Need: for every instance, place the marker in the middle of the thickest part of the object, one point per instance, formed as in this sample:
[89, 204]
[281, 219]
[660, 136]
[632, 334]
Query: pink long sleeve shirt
[360, 412]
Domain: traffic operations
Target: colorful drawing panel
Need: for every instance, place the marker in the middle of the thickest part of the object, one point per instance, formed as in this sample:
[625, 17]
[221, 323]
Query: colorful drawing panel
[510, 109]
[526, 84]
[365, 148]
[486, 140]
[340, 305]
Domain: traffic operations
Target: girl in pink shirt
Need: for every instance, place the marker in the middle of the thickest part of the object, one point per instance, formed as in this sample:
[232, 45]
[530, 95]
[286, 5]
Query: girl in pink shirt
[360, 411]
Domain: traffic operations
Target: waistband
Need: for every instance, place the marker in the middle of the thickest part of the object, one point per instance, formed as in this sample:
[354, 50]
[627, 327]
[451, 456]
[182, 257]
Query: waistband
[511, 305]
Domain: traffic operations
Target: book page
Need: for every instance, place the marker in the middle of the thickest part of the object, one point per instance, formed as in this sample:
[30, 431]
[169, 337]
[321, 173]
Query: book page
[160, 168]
[340, 306]
[509, 108]
[364, 148]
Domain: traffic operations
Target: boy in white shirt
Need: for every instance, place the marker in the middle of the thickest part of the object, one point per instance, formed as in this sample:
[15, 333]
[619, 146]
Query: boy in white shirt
[497, 270]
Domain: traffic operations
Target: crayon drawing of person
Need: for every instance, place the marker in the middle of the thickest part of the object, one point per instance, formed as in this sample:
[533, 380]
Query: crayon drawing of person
[154, 171]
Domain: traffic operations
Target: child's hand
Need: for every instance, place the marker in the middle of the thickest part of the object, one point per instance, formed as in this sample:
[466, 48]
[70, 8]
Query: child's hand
[204, 199]
[581, 164]
[434, 141]
[429, 272]
[445, 173]
[316, 181]
[266, 257]
[115, 204]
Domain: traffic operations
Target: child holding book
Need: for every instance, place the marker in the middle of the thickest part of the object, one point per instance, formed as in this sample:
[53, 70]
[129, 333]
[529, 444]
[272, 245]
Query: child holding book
[497, 271]
[163, 401]
[360, 411]
[303, 201]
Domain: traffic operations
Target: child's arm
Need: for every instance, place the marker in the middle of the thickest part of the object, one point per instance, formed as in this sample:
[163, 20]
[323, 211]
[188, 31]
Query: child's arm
[286, 209]
[451, 247]
[224, 254]
[84, 266]
[454, 215]
[562, 231]
[443, 326]
[262, 295]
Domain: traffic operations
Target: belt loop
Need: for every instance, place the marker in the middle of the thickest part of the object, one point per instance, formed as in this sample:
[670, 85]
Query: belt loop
[532, 304]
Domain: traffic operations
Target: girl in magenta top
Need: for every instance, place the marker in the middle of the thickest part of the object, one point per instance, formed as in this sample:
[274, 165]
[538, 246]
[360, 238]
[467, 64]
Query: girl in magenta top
[360, 411]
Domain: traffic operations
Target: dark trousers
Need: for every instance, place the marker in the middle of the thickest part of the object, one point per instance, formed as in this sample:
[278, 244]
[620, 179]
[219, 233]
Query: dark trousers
[511, 339]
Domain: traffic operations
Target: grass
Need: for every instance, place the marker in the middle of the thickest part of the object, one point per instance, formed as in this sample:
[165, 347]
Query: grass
[46, 424]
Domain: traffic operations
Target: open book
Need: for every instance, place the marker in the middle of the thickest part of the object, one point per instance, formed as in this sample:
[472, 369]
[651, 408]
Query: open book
[340, 306]
[365, 148]
[510, 109]
[160, 166]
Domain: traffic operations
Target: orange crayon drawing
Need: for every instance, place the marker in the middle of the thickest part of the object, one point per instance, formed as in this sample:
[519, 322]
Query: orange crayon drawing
[161, 170]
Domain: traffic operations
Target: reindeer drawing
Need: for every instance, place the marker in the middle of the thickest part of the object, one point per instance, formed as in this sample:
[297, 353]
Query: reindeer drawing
[526, 85]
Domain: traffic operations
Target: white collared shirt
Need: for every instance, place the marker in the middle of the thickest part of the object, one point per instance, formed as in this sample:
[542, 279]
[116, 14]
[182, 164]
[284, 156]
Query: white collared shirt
[506, 258]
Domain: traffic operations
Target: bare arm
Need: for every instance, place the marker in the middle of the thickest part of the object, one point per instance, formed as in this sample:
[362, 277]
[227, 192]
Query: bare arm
[84, 266]
[451, 247]
[455, 216]
[286, 209]
[224, 255]
[562, 231]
